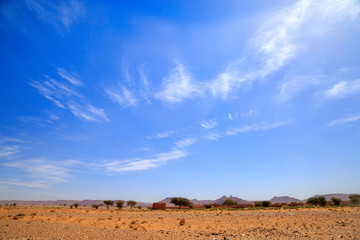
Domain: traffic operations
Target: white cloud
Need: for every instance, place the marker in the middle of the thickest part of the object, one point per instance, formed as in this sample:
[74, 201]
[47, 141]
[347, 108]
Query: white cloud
[71, 77]
[187, 142]
[282, 36]
[208, 124]
[232, 78]
[7, 151]
[347, 119]
[165, 134]
[88, 113]
[61, 15]
[140, 164]
[63, 93]
[343, 89]
[122, 96]
[145, 84]
[256, 127]
[291, 88]
[45, 173]
[180, 85]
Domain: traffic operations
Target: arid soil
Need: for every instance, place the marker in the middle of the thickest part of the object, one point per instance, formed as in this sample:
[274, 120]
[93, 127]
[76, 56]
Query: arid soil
[43, 222]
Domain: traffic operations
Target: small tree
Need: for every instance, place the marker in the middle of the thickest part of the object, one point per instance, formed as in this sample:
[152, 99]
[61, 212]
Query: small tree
[71, 206]
[229, 202]
[321, 200]
[76, 205]
[266, 203]
[108, 203]
[207, 205]
[96, 206]
[14, 204]
[336, 201]
[355, 198]
[179, 201]
[120, 204]
[258, 204]
[131, 203]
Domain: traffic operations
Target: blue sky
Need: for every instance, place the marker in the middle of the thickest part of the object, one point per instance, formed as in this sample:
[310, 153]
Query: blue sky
[149, 99]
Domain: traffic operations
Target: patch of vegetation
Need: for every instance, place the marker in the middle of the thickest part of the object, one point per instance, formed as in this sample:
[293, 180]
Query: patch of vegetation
[207, 205]
[179, 201]
[336, 201]
[230, 202]
[262, 204]
[319, 201]
[355, 198]
[131, 203]
[108, 203]
[76, 205]
[120, 204]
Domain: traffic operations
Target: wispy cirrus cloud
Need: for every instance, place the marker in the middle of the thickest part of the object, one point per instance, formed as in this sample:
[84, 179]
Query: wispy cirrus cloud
[179, 86]
[140, 164]
[71, 77]
[291, 88]
[43, 173]
[7, 151]
[122, 96]
[63, 93]
[231, 79]
[165, 134]
[256, 127]
[62, 15]
[279, 40]
[186, 142]
[88, 112]
[343, 89]
[206, 125]
[344, 120]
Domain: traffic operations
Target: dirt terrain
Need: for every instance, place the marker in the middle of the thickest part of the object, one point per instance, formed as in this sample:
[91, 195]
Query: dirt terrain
[45, 222]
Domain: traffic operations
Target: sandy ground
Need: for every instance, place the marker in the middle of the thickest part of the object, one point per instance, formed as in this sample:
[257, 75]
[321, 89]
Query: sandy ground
[45, 222]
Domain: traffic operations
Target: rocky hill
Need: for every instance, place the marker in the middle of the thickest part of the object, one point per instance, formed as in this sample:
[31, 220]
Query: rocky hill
[284, 199]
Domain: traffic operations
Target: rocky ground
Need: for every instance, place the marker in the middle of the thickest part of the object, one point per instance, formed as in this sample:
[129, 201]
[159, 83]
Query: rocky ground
[42, 222]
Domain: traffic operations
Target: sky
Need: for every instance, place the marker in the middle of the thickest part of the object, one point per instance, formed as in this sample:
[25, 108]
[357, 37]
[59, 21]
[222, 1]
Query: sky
[145, 100]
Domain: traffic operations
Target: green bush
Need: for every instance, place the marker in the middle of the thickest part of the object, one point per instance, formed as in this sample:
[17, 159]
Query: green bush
[96, 206]
[229, 202]
[120, 204]
[336, 201]
[131, 203]
[355, 198]
[262, 204]
[76, 205]
[321, 200]
[108, 203]
[207, 205]
[179, 201]
[258, 204]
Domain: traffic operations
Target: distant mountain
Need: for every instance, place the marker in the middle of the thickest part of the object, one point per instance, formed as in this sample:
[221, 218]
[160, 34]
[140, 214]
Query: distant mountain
[62, 202]
[284, 199]
[202, 202]
[342, 196]
[237, 199]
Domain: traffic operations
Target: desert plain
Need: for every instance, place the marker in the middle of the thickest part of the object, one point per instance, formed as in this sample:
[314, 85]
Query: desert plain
[54, 222]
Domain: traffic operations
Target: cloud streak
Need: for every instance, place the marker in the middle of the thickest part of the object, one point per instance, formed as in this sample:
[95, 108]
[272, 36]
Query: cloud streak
[347, 119]
[44, 173]
[179, 86]
[122, 96]
[140, 164]
[343, 89]
[61, 15]
[64, 94]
